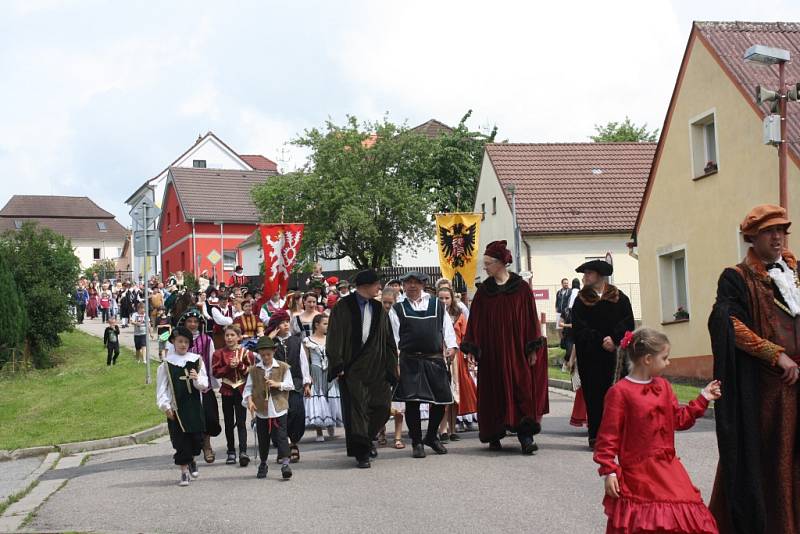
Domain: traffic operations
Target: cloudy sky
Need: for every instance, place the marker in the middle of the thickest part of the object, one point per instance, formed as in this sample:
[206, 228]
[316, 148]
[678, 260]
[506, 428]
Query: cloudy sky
[96, 97]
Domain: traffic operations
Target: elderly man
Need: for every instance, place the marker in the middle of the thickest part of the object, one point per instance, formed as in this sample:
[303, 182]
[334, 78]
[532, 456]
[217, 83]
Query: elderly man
[362, 353]
[600, 317]
[423, 330]
[755, 338]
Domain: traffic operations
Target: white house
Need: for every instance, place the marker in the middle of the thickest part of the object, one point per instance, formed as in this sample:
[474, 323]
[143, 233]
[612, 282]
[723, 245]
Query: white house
[95, 234]
[208, 152]
[574, 202]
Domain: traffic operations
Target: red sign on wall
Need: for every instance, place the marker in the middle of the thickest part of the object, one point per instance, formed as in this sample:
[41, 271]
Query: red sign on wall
[541, 294]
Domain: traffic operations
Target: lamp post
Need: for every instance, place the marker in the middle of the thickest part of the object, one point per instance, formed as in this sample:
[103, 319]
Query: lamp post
[766, 55]
[513, 189]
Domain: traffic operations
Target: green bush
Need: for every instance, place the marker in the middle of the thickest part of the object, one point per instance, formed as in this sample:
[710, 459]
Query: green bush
[104, 269]
[44, 269]
[14, 319]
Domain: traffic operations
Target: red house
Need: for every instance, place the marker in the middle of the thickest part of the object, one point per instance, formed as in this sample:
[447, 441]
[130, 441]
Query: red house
[205, 215]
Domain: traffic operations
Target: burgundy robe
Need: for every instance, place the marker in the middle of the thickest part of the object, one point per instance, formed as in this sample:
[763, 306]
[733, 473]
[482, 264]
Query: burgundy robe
[503, 327]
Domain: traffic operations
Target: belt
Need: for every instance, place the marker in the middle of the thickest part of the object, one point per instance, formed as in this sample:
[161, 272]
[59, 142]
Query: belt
[428, 355]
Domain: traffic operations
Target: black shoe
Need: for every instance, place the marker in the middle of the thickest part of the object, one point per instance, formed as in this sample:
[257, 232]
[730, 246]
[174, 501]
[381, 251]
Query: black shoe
[528, 445]
[363, 462]
[231, 458]
[444, 438]
[286, 471]
[373, 451]
[468, 426]
[418, 451]
[592, 441]
[455, 437]
[262, 470]
[243, 459]
[495, 446]
[193, 469]
[436, 445]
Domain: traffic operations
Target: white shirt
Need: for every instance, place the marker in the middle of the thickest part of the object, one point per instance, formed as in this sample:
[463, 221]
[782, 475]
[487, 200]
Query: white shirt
[464, 309]
[219, 316]
[422, 305]
[303, 361]
[264, 314]
[286, 385]
[164, 399]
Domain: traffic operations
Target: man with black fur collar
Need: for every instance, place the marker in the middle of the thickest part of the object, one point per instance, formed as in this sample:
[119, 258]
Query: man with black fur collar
[755, 339]
[600, 317]
[363, 354]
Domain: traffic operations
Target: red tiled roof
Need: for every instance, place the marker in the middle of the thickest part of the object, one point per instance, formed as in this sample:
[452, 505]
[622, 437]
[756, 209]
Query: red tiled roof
[53, 206]
[729, 40]
[197, 192]
[432, 129]
[574, 187]
[259, 162]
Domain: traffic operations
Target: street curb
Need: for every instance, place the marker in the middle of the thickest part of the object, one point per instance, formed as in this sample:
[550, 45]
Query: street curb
[136, 438]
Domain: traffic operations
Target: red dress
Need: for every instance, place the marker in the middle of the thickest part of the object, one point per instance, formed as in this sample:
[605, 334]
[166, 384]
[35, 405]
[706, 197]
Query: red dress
[579, 416]
[467, 390]
[656, 494]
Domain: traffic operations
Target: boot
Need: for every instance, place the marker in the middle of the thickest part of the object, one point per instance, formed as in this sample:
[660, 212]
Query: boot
[208, 451]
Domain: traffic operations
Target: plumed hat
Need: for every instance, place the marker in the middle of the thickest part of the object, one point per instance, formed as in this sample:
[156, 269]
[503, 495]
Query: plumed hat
[499, 251]
[601, 267]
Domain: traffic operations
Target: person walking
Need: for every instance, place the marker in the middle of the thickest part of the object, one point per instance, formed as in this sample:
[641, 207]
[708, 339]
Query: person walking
[81, 299]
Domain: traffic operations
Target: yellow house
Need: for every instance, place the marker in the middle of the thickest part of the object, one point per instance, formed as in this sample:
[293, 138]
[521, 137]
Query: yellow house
[574, 202]
[711, 167]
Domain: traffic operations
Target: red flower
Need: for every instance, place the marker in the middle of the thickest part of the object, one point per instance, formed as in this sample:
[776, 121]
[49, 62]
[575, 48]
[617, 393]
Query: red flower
[627, 339]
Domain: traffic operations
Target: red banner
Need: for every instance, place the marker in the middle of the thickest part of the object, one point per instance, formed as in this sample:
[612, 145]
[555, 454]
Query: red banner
[281, 245]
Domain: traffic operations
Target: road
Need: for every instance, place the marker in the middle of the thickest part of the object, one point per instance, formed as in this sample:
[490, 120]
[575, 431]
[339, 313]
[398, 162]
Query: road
[471, 489]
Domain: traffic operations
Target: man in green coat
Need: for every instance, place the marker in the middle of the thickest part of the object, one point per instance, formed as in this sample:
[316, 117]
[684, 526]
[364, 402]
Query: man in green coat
[362, 353]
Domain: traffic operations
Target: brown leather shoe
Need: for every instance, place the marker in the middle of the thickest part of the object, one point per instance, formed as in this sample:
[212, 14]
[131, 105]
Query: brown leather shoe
[208, 451]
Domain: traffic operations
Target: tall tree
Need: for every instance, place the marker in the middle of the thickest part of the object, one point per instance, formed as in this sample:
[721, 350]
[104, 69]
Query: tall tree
[45, 269]
[369, 187]
[13, 319]
[624, 131]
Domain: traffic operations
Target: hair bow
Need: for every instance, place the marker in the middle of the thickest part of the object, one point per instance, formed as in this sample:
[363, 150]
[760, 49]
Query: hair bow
[627, 339]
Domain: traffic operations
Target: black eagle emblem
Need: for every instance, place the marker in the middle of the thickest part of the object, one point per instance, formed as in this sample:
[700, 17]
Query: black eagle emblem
[458, 243]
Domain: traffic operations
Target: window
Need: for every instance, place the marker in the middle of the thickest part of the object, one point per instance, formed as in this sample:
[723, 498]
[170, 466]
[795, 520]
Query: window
[704, 145]
[183, 261]
[483, 211]
[119, 252]
[673, 273]
[494, 205]
[169, 220]
[96, 253]
[18, 224]
[102, 226]
[229, 260]
[177, 216]
[199, 163]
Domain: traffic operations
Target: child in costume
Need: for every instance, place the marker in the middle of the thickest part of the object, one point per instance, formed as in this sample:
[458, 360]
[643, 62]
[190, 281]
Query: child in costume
[179, 381]
[139, 332]
[230, 365]
[111, 341]
[649, 489]
[266, 395]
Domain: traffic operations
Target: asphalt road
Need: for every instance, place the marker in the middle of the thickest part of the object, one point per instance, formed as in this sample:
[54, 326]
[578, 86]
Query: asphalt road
[468, 490]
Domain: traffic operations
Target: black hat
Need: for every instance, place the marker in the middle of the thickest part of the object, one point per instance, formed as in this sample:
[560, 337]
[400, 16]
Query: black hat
[265, 342]
[183, 332]
[366, 277]
[601, 267]
[422, 277]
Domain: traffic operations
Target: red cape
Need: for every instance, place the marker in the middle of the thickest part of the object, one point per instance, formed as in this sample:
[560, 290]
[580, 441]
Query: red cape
[503, 327]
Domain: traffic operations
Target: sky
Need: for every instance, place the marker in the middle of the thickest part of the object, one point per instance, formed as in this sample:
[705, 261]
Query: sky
[97, 97]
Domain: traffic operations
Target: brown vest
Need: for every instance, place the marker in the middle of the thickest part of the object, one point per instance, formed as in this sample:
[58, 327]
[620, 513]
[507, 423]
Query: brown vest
[279, 398]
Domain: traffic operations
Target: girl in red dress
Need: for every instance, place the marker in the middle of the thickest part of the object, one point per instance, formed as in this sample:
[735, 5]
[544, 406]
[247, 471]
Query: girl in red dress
[649, 489]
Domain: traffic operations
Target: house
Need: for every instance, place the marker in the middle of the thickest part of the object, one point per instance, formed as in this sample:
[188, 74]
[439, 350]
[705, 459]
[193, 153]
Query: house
[574, 202]
[95, 233]
[207, 213]
[208, 152]
[709, 170]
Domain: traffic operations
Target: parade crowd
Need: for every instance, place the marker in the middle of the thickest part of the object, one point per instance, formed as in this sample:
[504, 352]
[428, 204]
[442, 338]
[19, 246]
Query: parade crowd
[359, 355]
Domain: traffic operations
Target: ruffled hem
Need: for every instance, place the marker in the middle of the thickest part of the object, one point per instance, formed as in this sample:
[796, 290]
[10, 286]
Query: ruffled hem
[318, 412]
[627, 516]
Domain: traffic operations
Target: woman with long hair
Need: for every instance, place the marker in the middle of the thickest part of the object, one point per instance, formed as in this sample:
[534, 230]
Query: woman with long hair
[318, 413]
[301, 322]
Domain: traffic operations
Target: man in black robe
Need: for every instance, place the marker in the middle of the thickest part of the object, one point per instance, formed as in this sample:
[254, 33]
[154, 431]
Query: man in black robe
[362, 353]
[600, 317]
[755, 339]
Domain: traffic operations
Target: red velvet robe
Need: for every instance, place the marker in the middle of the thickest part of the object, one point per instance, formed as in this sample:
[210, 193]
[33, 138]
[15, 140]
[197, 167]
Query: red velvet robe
[503, 327]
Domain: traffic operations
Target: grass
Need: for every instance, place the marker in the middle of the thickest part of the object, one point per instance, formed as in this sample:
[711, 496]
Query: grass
[684, 392]
[79, 399]
[16, 497]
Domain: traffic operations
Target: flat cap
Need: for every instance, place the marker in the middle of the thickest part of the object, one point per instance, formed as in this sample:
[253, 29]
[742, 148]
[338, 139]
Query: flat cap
[422, 277]
[366, 277]
[762, 217]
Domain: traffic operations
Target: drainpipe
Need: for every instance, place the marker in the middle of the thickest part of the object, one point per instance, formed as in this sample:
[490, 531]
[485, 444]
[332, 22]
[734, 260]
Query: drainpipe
[631, 246]
[194, 251]
[222, 252]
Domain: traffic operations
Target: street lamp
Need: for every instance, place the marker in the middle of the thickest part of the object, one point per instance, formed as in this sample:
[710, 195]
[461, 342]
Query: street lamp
[767, 55]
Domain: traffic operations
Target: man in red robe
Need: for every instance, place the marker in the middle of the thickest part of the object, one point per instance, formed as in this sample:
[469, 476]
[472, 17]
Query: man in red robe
[504, 336]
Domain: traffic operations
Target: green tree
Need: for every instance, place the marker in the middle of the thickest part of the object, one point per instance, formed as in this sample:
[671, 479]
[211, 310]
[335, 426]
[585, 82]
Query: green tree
[45, 269]
[624, 131]
[14, 319]
[369, 187]
[104, 268]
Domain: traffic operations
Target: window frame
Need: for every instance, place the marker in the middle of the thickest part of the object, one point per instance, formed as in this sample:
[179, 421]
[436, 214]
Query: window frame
[97, 253]
[665, 258]
[494, 205]
[199, 164]
[699, 146]
[225, 264]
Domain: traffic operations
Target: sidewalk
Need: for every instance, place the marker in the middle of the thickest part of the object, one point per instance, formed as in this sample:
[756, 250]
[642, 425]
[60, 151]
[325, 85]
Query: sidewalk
[96, 327]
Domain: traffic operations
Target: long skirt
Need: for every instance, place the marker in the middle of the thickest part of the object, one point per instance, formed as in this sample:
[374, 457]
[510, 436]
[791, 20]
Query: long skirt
[335, 402]
[318, 413]
[211, 409]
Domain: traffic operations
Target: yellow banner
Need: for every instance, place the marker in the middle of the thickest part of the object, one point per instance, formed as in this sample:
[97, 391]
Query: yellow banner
[457, 238]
